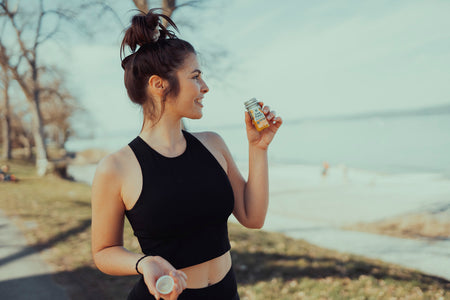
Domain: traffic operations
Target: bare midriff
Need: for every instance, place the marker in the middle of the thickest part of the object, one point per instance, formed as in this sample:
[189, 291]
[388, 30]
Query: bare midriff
[209, 272]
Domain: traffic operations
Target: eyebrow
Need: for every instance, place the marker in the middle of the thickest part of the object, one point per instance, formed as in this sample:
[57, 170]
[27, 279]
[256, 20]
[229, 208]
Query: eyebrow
[197, 70]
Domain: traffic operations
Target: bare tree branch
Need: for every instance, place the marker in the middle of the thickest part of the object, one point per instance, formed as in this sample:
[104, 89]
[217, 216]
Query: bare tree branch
[106, 7]
[49, 35]
[4, 61]
[142, 5]
[11, 15]
[193, 3]
[38, 27]
[54, 92]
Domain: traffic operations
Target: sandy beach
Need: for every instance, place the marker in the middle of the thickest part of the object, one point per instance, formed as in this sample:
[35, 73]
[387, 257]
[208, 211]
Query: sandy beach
[304, 204]
[347, 196]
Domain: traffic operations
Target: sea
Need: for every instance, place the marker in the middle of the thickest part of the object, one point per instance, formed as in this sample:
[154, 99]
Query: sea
[403, 144]
[396, 161]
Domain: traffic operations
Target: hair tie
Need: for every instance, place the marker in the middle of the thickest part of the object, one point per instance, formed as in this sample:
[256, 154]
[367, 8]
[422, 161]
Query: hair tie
[137, 263]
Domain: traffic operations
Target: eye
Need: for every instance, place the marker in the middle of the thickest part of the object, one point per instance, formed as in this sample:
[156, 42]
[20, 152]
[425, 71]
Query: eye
[196, 76]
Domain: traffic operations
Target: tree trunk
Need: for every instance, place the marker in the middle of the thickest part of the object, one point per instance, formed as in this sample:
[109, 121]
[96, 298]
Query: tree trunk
[6, 121]
[168, 7]
[38, 136]
[142, 5]
[37, 125]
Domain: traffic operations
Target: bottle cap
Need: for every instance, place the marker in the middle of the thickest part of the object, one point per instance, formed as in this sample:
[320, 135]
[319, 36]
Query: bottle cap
[250, 102]
[165, 284]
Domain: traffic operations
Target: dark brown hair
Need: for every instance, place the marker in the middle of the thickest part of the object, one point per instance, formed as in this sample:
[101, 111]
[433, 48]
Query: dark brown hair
[160, 53]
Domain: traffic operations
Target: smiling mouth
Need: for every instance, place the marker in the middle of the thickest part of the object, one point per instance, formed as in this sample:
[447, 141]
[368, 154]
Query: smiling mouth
[199, 101]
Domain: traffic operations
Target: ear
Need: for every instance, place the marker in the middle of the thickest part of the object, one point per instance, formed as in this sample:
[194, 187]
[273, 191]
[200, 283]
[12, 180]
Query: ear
[157, 85]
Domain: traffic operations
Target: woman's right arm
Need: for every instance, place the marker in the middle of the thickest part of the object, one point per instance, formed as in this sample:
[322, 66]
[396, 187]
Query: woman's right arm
[107, 232]
[108, 219]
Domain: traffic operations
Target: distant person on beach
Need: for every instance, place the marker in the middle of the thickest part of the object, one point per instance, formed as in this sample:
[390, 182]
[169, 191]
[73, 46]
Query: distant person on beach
[325, 166]
[176, 188]
[5, 175]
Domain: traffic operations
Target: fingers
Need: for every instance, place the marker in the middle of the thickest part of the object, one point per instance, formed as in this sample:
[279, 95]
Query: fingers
[271, 116]
[180, 280]
[183, 275]
[158, 267]
[277, 122]
[248, 119]
[151, 287]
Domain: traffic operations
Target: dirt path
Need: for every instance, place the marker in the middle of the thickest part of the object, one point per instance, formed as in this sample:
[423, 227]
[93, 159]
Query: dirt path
[23, 273]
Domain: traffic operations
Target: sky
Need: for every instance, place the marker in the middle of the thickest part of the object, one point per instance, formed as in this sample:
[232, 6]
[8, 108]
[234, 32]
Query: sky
[302, 58]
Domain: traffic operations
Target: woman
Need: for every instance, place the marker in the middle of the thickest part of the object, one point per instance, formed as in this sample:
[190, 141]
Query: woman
[176, 188]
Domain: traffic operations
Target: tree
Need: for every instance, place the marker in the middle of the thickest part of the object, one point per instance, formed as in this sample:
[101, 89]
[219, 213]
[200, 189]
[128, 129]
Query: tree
[58, 105]
[21, 136]
[168, 6]
[142, 5]
[30, 34]
[5, 115]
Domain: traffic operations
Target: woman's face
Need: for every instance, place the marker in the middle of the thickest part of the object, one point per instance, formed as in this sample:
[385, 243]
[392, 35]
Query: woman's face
[188, 102]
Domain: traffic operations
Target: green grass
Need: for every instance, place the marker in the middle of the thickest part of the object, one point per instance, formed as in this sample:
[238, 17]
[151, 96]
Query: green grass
[55, 217]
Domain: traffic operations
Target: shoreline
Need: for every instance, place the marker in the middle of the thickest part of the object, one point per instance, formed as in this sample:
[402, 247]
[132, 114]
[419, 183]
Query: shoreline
[306, 205]
[344, 169]
[346, 197]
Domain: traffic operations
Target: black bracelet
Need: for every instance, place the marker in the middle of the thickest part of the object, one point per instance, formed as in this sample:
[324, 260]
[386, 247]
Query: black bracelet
[137, 263]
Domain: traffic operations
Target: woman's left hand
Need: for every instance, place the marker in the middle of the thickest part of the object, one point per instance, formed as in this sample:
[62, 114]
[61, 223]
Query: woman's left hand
[261, 139]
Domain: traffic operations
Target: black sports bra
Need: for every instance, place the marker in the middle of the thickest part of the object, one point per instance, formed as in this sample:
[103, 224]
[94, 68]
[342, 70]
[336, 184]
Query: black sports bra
[182, 211]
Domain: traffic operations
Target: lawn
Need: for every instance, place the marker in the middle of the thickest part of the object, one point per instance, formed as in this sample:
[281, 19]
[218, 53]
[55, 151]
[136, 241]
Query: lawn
[54, 215]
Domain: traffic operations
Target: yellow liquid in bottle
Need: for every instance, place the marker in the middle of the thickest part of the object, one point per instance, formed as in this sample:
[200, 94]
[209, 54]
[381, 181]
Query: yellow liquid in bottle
[258, 118]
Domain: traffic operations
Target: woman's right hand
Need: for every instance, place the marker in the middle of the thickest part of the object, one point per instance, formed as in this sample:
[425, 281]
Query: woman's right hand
[153, 267]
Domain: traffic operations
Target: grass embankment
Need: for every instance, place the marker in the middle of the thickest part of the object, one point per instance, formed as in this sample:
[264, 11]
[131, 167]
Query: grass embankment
[427, 225]
[55, 216]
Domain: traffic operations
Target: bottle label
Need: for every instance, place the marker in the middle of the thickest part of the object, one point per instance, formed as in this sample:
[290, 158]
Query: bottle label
[259, 119]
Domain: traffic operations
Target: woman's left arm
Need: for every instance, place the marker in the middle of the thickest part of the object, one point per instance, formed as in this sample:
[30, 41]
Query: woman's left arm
[252, 196]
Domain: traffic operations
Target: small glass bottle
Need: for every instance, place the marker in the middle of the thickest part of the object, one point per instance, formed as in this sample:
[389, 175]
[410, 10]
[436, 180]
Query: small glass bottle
[256, 113]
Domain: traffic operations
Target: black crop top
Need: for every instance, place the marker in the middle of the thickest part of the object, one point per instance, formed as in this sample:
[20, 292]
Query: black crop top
[182, 211]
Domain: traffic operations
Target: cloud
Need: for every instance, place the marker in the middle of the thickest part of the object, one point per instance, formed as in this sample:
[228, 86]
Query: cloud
[374, 57]
[304, 58]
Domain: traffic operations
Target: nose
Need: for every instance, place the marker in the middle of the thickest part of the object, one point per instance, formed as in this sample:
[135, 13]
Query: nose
[204, 88]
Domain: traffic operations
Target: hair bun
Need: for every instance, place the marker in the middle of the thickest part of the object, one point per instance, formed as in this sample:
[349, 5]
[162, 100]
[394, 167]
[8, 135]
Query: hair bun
[147, 29]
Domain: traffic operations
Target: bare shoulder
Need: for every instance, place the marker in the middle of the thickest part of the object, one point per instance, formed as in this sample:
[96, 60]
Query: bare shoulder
[115, 164]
